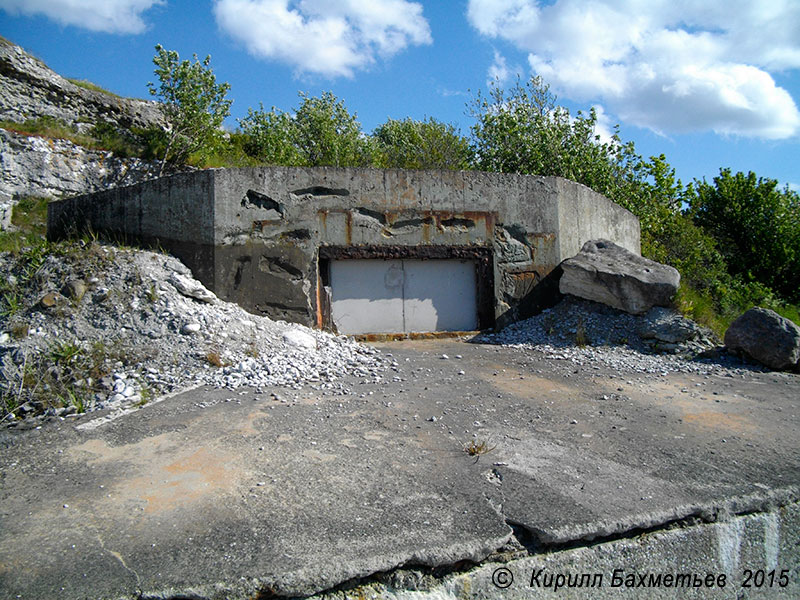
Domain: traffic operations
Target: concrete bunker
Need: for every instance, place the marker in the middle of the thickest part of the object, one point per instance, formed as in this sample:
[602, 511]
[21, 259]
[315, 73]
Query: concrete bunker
[362, 250]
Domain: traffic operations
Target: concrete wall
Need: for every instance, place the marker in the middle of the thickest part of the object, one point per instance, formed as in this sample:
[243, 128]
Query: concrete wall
[176, 212]
[586, 215]
[265, 228]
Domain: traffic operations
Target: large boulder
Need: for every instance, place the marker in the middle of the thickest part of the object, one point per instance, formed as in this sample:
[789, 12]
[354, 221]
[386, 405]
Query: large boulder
[766, 337]
[605, 272]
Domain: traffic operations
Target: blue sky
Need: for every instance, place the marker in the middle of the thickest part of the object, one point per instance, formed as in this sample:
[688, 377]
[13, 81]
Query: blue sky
[710, 84]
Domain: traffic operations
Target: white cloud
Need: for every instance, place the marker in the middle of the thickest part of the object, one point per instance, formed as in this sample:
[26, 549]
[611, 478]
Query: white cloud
[110, 16]
[604, 126]
[500, 71]
[669, 65]
[324, 37]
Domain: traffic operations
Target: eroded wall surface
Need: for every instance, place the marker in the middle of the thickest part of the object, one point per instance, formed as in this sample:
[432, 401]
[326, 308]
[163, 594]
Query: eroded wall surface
[258, 236]
[272, 225]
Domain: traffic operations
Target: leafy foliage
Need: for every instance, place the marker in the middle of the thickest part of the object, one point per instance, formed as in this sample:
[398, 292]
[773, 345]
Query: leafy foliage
[193, 104]
[757, 227]
[326, 134]
[737, 244]
[321, 132]
[525, 131]
[430, 144]
[270, 137]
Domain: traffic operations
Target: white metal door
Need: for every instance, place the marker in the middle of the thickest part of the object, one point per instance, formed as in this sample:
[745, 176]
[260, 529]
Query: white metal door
[397, 296]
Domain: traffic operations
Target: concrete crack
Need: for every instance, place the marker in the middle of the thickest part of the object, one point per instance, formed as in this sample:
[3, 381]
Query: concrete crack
[118, 556]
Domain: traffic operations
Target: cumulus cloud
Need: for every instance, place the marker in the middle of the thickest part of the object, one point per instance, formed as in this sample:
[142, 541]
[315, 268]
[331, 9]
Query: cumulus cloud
[322, 37]
[500, 71]
[669, 65]
[110, 16]
[604, 127]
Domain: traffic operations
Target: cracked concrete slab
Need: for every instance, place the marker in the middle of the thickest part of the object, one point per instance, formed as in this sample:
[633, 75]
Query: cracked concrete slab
[233, 494]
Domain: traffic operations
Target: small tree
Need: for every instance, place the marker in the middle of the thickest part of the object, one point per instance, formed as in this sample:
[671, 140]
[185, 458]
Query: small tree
[326, 134]
[431, 144]
[270, 137]
[193, 105]
[524, 130]
[756, 225]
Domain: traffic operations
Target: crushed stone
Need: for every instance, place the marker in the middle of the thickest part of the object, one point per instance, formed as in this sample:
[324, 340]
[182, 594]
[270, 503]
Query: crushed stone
[142, 326]
[584, 334]
[101, 326]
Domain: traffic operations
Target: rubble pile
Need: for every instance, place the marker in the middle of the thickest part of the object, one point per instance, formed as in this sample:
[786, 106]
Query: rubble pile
[586, 333]
[101, 326]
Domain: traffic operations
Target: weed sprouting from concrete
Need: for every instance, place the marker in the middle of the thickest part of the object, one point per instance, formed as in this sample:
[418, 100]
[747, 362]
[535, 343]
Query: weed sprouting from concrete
[478, 447]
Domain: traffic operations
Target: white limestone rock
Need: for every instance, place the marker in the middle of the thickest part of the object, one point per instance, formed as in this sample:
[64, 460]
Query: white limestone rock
[300, 339]
[192, 288]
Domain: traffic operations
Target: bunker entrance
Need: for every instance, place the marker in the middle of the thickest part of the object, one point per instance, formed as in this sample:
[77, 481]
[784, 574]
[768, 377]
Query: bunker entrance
[405, 290]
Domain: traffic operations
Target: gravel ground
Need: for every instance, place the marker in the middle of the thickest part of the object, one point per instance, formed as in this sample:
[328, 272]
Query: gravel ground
[587, 334]
[98, 326]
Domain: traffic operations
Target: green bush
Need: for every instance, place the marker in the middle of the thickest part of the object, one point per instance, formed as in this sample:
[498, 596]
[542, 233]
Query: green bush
[429, 144]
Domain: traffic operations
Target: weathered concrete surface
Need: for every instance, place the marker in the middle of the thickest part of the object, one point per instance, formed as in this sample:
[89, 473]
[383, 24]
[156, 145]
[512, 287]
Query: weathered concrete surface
[226, 494]
[669, 563]
[255, 236]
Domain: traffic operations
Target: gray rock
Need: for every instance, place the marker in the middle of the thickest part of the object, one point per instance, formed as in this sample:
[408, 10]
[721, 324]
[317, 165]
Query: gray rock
[37, 166]
[668, 326]
[101, 295]
[766, 337]
[75, 289]
[50, 300]
[192, 288]
[607, 273]
[300, 339]
[190, 328]
[6, 206]
[31, 90]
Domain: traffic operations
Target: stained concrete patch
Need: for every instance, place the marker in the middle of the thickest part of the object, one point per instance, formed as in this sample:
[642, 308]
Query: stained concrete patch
[260, 494]
[228, 494]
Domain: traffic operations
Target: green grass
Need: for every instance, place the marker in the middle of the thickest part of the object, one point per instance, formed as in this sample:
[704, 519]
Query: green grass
[718, 313]
[789, 311]
[30, 215]
[65, 352]
[50, 127]
[104, 136]
[700, 308]
[88, 85]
